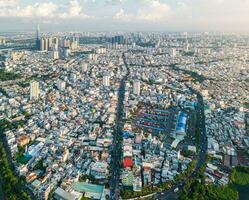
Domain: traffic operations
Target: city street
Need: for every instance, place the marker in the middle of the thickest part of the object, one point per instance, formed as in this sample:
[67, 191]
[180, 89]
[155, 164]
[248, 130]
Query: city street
[116, 162]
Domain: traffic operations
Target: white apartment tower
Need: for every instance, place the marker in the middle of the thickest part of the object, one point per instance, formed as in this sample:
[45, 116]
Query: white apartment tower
[136, 87]
[34, 90]
[106, 80]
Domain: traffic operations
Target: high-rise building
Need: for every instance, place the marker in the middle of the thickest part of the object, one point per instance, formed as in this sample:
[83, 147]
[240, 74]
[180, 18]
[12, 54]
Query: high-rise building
[84, 66]
[50, 43]
[55, 44]
[66, 43]
[38, 37]
[74, 45]
[106, 80]
[61, 85]
[54, 55]
[173, 52]
[44, 44]
[136, 87]
[66, 52]
[101, 50]
[117, 40]
[2, 41]
[34, 90]
[186, 47]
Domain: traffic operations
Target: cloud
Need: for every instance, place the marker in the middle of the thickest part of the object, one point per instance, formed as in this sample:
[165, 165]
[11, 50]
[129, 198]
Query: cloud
[47, 10]
[7, 3]
[224, 15]
[154, 11]
[42, 10]
[114, 2]
[173, 15]
[72, 10]
[122, 15]
[148, 11]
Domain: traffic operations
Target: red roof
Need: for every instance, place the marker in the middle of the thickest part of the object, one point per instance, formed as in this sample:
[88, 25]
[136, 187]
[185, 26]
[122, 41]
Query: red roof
[127, 162]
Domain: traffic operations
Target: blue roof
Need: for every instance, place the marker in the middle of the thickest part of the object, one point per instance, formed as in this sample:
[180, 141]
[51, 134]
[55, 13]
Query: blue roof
[182, 120]
[182, 114]
[180, 125]
[126, 134]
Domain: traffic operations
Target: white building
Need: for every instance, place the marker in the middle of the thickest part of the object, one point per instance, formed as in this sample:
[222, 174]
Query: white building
[84, 66]
[99, 170]
[106, 80]
[55, 55]
[61, 85]
[173, 52]
[34, 90]
[136, 87]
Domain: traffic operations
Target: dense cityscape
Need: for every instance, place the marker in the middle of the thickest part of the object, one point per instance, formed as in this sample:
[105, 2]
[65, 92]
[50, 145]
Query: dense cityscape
[148, 115]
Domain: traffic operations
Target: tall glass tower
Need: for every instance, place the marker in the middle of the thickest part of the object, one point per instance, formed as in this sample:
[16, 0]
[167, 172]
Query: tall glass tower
[38, 37]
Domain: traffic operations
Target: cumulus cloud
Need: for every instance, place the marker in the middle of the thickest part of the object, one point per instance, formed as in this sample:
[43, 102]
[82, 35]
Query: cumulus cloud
[6, 3]
[72, 10]
[144, 14]
[148, 11]
[154, 11]
[47, 10]
[122, 15]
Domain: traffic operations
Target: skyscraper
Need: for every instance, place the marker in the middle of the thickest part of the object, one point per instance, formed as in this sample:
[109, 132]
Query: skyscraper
[56, 44]
[46, 44]
[34, 90]
[50, 43]
[42, 45]
[38, 37]
[66, 52]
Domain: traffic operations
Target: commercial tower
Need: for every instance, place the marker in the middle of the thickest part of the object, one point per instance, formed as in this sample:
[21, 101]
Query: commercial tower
[38, 37]
[44, 44]
[34, 90]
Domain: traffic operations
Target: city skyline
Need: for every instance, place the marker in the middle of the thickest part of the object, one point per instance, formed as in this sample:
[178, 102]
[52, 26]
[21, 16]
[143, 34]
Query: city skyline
[124, 99]
[125, 15]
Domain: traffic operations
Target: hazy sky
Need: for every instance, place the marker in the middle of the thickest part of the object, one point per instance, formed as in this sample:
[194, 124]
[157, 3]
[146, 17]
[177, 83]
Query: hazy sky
[129, 15]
